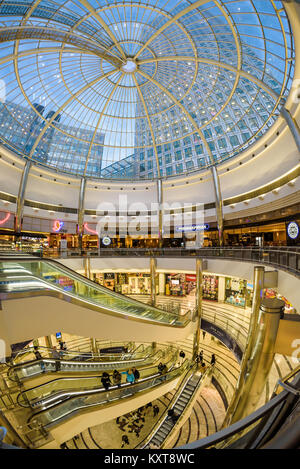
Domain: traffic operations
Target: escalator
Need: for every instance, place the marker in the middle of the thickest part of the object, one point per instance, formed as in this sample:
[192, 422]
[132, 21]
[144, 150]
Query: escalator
[93, 400]
[32, 278]
[58, 390]
[33, 368]
[181, 402]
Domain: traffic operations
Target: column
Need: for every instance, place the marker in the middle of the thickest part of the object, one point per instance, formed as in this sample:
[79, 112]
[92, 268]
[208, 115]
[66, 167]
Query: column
[160, 212]
[198, 309]
[219, 203]
[21, 197]
[153, 264]
[293, 126]
[48, 341]
[80, 225]
[87, 268]
[261, 358]
[258, 291]
[94, 346]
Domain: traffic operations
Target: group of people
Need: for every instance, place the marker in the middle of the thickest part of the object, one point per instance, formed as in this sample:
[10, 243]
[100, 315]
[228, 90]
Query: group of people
[201, 363]
[57, 355]
[132, 376]
[133, 422]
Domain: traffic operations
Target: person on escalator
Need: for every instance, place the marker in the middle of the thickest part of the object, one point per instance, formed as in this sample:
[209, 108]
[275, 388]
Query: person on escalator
[181, 357]
[56, 357]
[129, 376]
[117, 378]
[38, 356]
[136, 374]
[105, 380]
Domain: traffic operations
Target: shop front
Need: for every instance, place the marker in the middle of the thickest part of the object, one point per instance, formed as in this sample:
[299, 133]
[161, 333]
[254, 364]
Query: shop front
[236, 291]
[125, 283]
[175, 285]
[210, 287]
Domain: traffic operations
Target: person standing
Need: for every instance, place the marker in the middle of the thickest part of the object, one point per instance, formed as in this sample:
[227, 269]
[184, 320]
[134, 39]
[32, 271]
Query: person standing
[203, 334]
[56, 357]
[136, 374]
[105, 380]
[39, 357]
[181, 357]
[213, 359]
[155, 410]
[129, 376]
[117, 378]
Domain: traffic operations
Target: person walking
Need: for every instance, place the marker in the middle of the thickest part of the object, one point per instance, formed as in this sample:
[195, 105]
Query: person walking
[129, 376]
[136, 374]
[213, 359]
[55, 355]
[203, 334]
[105, 380]
[117, 378]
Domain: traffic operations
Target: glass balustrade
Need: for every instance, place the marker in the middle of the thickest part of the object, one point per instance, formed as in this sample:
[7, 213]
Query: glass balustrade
[92, 399]
[49, 276]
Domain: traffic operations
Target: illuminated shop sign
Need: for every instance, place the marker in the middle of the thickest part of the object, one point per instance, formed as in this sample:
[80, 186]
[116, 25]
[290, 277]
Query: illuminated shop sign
[293, 230]
[106, 241]
[57, 226]
[187, 228]
[5, 219]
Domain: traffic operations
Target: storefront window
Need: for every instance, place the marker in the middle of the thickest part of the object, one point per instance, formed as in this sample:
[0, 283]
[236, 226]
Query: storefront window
[210, 287]
[235, 291]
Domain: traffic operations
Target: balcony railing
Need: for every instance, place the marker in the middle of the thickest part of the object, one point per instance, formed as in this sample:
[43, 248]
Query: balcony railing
[284, 257]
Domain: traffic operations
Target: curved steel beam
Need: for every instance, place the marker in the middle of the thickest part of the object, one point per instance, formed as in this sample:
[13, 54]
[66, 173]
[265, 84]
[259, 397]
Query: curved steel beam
[96, 15]
[175, 18]
[215, 177]
[56, 35]
[99, 120]
[149, 123]
[44, 50]
[61, 108]
[241, 73]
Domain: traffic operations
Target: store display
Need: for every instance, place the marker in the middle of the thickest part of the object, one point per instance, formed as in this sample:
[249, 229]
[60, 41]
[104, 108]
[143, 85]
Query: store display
[210, 287]
[235, 291]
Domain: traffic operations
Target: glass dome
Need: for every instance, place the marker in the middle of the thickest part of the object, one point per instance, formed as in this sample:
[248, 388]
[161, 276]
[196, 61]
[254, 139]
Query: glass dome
[140, 89]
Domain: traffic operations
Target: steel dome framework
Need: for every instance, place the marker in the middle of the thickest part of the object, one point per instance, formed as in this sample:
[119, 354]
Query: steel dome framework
[144, 89]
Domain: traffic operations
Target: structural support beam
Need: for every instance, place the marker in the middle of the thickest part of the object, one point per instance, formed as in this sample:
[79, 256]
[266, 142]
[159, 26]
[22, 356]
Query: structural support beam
[48, 341]
[160, 212]
[198, 310]
[87, 267]
[219, 203]
[153, 265]
[258, 291]
[21, 197]
[293, 126]
[80, 225]
[260, 359]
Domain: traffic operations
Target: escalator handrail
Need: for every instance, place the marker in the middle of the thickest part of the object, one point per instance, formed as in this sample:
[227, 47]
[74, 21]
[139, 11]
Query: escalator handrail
[86, 378]
[89, 282]
[124, 385]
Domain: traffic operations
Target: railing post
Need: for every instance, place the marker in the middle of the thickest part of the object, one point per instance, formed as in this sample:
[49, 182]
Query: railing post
[198, 310]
